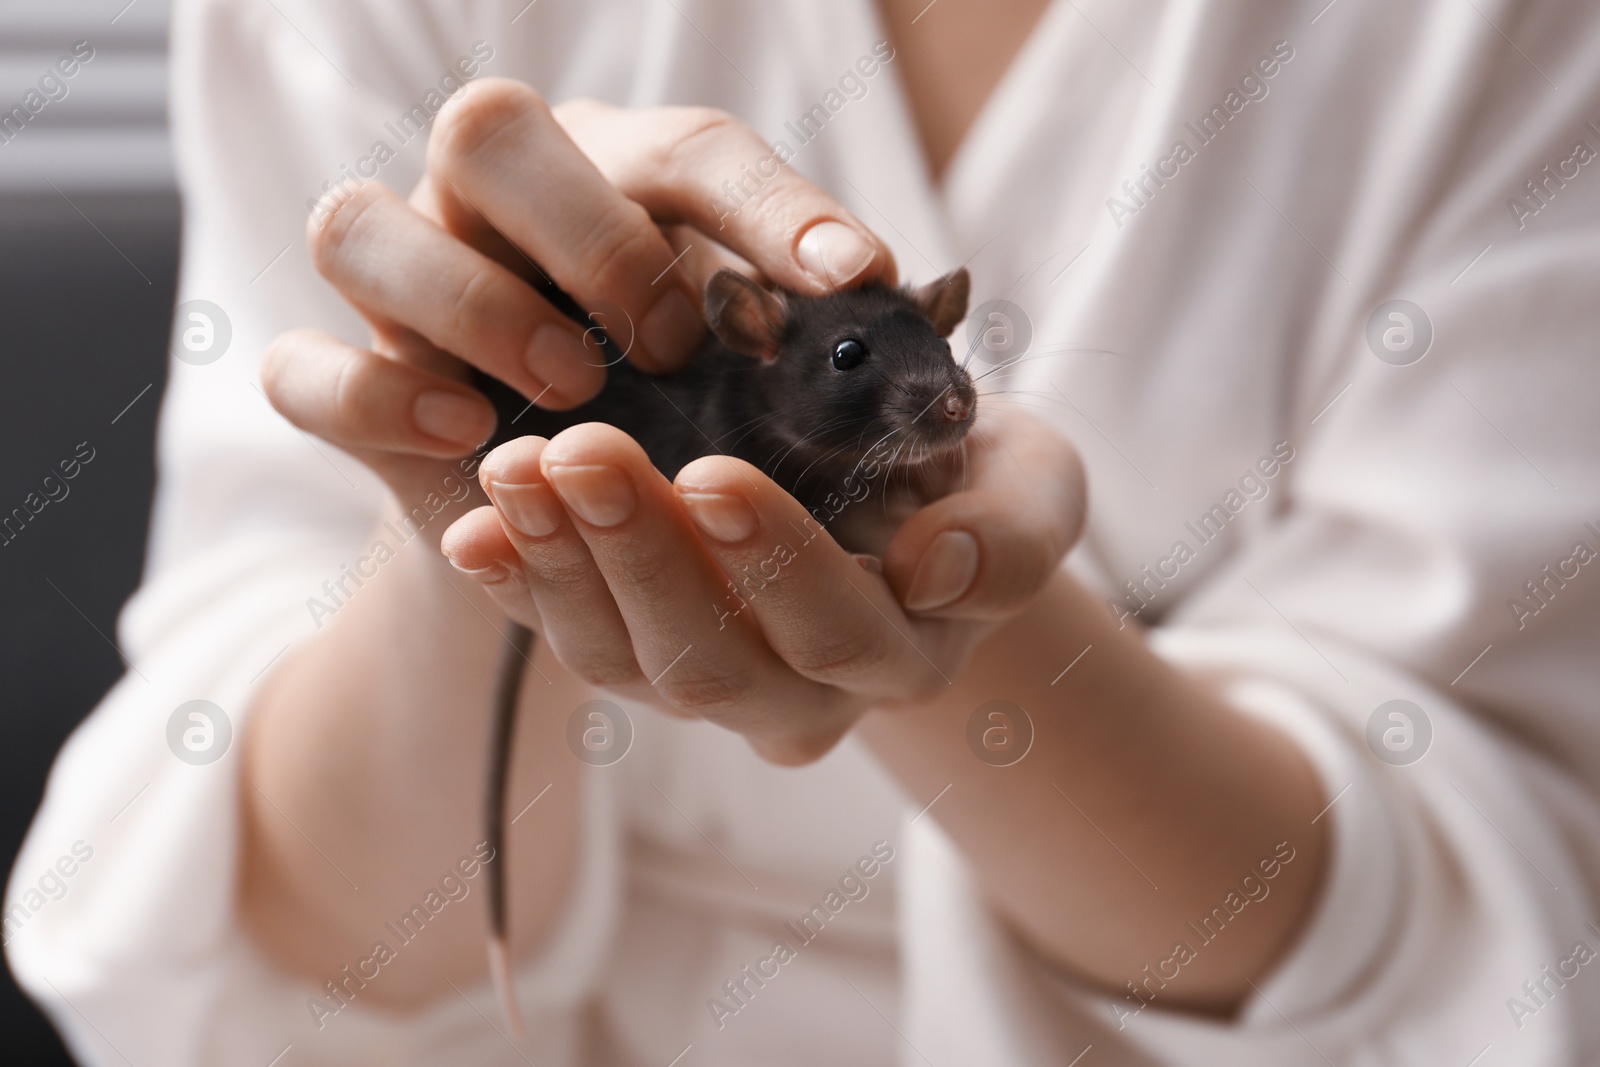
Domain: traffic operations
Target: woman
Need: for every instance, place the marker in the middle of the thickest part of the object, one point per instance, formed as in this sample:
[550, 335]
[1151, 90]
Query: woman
[1293, 764]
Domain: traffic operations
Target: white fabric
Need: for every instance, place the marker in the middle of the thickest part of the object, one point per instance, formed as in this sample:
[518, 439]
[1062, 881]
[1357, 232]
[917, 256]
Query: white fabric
[1177, 341]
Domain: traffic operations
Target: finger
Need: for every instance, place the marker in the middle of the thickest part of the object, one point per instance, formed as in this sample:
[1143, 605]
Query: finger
[582, 623]
[393, 263]
[828, 616]
[361, 401]
[703, 257]
[497, 147]
[696, 650]
[706, 168]
[984, 552]
[465, 223]
[478, 547]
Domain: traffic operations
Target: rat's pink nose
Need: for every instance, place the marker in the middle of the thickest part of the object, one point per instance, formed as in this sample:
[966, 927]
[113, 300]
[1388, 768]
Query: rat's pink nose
[956, 408]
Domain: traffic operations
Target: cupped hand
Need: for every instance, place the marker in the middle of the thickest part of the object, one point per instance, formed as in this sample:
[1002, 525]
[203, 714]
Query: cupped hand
[623, 209]
[719, 596]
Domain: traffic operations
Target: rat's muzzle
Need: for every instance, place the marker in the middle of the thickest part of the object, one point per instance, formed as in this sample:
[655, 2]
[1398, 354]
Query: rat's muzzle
[942, 415]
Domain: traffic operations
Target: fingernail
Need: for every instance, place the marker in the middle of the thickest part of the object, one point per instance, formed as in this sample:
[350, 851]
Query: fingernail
[868, 562]
[453, 417]
[533, 509]
[722, 516]
[602, 496]
[672, 328]
[834, 253]
[494, 572]
[559, 358]
[946, 570]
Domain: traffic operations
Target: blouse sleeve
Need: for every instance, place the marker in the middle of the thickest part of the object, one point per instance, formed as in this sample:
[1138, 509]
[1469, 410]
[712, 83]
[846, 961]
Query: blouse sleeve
[137, 955]
[1420, 618]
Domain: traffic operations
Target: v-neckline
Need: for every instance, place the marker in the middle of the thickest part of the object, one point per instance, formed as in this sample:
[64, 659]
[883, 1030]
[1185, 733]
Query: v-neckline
[983, 121]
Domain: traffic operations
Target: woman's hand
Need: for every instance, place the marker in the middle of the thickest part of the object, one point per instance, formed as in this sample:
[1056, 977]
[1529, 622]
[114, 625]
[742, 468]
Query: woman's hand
[627, 577]
[585, 191]
[371, 736]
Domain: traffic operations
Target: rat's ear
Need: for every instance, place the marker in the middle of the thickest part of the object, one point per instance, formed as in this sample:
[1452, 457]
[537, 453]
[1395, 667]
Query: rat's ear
[944, 300]
[744, 316]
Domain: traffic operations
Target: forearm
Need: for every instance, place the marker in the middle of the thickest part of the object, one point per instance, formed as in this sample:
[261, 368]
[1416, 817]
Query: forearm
[364, 776]
[1143, 802]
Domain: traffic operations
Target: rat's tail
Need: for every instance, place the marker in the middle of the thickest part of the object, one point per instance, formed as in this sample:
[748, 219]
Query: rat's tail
[508, 682]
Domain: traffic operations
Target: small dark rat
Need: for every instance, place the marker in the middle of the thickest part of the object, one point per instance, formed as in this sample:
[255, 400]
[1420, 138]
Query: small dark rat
[804, 388]
[799, 386]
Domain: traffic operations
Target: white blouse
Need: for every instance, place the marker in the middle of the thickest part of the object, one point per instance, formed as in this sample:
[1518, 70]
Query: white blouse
[1204, 210]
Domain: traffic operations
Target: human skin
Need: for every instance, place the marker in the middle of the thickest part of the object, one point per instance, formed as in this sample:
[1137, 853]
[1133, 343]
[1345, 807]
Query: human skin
[369, 739]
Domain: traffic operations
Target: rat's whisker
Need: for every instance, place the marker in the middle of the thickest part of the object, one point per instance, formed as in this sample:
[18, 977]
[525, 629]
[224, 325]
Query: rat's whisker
[1020, 397]
[1062, 349]
[1025, 357]
[844, 419]
[867, 452]
[749, 428]
[1042, 353]
[892, 383]
[779, 459]
[856, 468]
[828, 455]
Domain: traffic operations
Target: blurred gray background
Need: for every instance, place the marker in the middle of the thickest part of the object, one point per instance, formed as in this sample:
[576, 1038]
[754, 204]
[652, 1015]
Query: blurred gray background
[89, 224]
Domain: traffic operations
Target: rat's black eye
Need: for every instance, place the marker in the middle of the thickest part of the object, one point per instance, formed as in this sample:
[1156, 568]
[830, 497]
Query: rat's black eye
[848, 354]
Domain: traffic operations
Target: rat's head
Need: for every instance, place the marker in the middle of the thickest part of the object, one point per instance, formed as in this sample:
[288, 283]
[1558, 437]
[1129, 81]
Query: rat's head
[849, 370]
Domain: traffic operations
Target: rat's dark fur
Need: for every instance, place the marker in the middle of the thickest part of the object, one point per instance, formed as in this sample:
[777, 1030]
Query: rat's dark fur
[764, 388]
[804, 423]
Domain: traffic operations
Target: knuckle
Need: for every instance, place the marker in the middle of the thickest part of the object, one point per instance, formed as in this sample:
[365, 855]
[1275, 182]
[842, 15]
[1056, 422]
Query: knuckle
[473, 293]
[690, 132]
[605, 671]
[797, 749]
[692, 125]
[707, 691]
[288, 366]
[343, 226]
[561, 575]
[354, 385]
[475, 116]
[510, 591]
[275, 367]
[651, 575]
[852, 655]
[622, 237]
[1017, 568]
